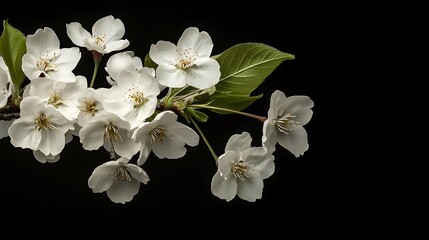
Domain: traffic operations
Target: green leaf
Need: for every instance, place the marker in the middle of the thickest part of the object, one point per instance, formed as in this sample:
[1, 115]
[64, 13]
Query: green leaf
[246, 65]
[200, 116]
[230, 101]
[12, 48]
[148, 62]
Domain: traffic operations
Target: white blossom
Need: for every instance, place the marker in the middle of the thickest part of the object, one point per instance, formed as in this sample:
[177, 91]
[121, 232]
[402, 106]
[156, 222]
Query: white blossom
[119, 179]
[242, 169]
[287, 117]
[104, 38]
[188, 63]
[40, 127]
[89, 105]
[108, 127]
[165, 136]
[133, 98]
[44, 58]
[63, 96]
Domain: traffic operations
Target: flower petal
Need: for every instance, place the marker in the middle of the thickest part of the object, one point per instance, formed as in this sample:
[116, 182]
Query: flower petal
[170, 150]
[21, 132]
[137, 173]
[269, 137]
[77, 33]
[262, 162]
[295, 141]
[145, 150]
[170, 76]
[224, 189]
[251, 189]
[53, 142]
[204, 75]
[163, 53]
[91, 136]
[102, 177]
[127, 147]
[44, 40]
[224, 163]
[183, 133]
[298, 103]
[239, 142]
[123, 191]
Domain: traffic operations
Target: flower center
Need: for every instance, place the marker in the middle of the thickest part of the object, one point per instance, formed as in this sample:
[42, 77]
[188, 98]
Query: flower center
[45, 65]
[285, 124]
[240, 169]
[185, 59]
[42, 123]
[55, 99]
[111, 133]
[160, 135]
[121, 174]
[136, 96]
[89, 106]
[100, 40]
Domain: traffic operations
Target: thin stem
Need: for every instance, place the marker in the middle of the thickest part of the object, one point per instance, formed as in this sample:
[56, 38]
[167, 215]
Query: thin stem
[186, 95]
[205, 139]
[97, 59]
[257, 117]
[180, 90]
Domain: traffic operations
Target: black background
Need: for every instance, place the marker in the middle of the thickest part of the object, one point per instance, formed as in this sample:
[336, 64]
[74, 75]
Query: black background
[299, 193]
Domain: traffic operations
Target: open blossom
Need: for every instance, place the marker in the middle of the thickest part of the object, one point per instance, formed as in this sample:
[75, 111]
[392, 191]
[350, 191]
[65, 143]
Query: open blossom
[285, 123]
[44, 58]
[242, 169]
[6, 86]
[63, 96]
[89, 105]
[124, 61]
[165, 136]
[105, 129]
[40, 127]
[119, 179]
[133, 98]
[105, 36]
[188, 63]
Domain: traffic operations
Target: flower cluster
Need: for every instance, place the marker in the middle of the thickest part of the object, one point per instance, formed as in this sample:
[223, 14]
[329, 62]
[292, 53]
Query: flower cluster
[44, 104]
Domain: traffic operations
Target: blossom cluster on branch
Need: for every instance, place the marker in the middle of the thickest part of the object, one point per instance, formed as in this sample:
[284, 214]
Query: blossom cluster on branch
[152, 105]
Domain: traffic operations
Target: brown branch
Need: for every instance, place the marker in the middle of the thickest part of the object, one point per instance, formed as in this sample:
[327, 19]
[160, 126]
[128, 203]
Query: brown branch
[9, 116]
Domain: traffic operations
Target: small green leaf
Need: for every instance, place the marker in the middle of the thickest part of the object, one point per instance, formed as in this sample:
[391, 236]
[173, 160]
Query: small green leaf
[200, 116]
[12, 48]
[229, 101]
[148, 62]
[246, 65]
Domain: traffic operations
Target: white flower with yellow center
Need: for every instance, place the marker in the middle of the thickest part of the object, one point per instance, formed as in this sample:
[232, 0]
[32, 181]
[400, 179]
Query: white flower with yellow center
[63, 96]
[134, 97]
[119, 179]
[242, 169]
[287, 117]
[40, 127]
[105, 129]
[89, 105]
[44, 58]
[104, 38]
[165, 136]
[188, 63]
